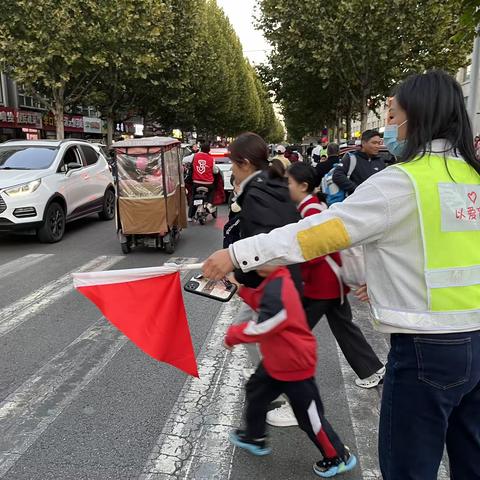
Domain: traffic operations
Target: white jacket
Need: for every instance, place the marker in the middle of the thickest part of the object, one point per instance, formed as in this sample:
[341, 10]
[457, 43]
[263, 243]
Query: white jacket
[381, 215]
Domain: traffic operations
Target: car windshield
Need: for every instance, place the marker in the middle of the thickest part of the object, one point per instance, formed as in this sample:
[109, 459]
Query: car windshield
[26, 158]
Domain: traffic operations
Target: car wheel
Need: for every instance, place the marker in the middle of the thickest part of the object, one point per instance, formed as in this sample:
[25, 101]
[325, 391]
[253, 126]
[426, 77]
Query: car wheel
[53, 227]
[108, 211]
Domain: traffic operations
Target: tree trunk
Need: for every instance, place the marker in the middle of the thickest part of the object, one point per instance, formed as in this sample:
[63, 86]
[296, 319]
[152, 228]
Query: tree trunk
[58, 111]
[348, 125]
[338, 130]
[364, 112]
[109, 131]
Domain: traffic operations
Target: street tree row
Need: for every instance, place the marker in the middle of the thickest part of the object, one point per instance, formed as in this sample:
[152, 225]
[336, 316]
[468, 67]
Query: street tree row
[335, 60]
[176, 62]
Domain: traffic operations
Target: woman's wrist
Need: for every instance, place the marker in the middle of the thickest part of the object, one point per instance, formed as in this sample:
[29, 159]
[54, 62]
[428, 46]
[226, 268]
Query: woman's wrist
[231, 251]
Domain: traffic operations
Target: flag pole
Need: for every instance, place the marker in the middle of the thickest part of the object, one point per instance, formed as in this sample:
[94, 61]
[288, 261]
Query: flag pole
[184, 266]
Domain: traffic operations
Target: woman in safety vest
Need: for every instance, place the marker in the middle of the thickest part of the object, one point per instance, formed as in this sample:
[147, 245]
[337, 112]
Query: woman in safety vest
[420, 224]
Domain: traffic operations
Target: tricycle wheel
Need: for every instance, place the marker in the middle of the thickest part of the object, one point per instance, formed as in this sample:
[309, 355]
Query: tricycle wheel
[125, 248]
[169, 248]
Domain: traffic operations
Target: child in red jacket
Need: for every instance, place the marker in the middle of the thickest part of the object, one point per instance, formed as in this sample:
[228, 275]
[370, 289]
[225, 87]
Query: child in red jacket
[324, 292]
[288, 367]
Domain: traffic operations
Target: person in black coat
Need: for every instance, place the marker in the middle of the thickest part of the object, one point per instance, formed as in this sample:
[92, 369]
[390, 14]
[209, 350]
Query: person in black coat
[333, 158]
[265, 204]
[264, 197]
[368, 163]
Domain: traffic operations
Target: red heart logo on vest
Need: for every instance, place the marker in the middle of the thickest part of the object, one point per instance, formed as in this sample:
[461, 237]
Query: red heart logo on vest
[472, 197]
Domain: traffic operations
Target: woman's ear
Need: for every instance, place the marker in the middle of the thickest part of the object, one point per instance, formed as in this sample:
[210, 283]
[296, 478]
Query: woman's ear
[304, 187]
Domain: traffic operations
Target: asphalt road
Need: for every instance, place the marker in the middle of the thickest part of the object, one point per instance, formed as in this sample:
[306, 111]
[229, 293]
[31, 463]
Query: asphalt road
[78, 401]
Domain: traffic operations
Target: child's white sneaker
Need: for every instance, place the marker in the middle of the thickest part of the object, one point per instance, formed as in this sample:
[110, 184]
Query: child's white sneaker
[282, 416]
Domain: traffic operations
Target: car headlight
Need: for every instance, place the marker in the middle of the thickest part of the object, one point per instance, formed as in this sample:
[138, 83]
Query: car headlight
[23, 189]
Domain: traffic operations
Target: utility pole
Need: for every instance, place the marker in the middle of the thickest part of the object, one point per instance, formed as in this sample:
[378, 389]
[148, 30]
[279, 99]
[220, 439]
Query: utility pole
[474, 79]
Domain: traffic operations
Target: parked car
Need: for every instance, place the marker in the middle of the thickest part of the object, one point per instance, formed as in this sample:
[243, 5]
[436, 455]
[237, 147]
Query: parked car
[224, 164]
[45, 184]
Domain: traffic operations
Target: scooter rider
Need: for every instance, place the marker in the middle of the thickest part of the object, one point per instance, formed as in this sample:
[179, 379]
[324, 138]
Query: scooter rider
[203, 171]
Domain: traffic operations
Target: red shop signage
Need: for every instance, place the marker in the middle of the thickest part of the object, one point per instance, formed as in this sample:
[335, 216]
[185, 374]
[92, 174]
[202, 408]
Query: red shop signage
[11, 118]
[8, 118]
[72, 123]
[26, 119]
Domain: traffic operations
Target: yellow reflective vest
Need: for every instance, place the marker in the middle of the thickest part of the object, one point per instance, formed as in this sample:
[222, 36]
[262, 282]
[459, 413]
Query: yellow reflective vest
[448, 198]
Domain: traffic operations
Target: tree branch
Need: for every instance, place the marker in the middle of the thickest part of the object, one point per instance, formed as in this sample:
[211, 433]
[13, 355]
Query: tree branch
[74, 99]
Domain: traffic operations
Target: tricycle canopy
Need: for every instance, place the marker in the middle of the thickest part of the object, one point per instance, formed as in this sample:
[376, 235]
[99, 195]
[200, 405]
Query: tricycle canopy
[150, 188]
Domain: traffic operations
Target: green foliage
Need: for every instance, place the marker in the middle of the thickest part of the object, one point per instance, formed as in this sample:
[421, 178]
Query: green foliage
[177, 62]
[334, 59]
[469, 19]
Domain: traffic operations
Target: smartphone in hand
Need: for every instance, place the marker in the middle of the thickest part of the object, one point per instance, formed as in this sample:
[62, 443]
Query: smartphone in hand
[221, 290]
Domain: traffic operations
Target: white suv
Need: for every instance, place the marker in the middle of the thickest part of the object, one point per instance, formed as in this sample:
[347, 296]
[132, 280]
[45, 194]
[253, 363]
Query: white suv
[44, 184]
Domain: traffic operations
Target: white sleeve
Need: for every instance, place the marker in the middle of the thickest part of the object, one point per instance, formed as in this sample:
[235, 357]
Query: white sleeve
[361, 219]
[188, 158]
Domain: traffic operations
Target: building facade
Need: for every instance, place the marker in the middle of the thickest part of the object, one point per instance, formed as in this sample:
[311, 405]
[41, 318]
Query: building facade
[24, 117]
[375, 121]
[464, 78]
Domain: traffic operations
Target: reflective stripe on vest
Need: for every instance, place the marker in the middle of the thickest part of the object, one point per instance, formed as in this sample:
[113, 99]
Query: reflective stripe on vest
[449, 210]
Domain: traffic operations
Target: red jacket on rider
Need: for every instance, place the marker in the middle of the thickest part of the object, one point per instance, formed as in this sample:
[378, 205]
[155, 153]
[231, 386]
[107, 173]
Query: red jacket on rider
[203, 164]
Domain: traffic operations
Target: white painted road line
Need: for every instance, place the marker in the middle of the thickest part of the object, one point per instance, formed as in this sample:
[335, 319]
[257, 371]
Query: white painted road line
[18, 312]
[364, 414]
[22, 263]
[27, 412]
[194, 441]
[31, 408]
[364, 406]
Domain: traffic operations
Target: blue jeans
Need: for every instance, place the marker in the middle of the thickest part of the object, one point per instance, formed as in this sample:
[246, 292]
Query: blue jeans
[431, 397]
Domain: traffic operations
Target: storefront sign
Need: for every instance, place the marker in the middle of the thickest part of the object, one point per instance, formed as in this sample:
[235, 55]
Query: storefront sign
[29, 119]
[7, 117]
[92, 125]
[72, 123]
[11, 118]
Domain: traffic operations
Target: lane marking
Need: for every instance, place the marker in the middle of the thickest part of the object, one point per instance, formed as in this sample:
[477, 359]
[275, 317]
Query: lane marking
[195, 435]
[27, 412]
[22, 263]
[18, 312]
[364, 406]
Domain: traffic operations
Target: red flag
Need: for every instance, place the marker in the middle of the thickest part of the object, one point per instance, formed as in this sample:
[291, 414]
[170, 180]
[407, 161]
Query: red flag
[145, 304]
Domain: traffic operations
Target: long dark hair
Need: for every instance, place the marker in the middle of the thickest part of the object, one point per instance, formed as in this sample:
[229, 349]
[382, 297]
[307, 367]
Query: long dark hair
[252, 147]
[435, 109]
[277, 168]
[303, 173]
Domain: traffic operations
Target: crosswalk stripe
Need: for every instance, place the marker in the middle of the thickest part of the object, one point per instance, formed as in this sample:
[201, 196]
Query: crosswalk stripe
[361, 403]
[18, 312]
[22, 263]
[30, 409]
[27, 412]
[195, 435]
[364, 406]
